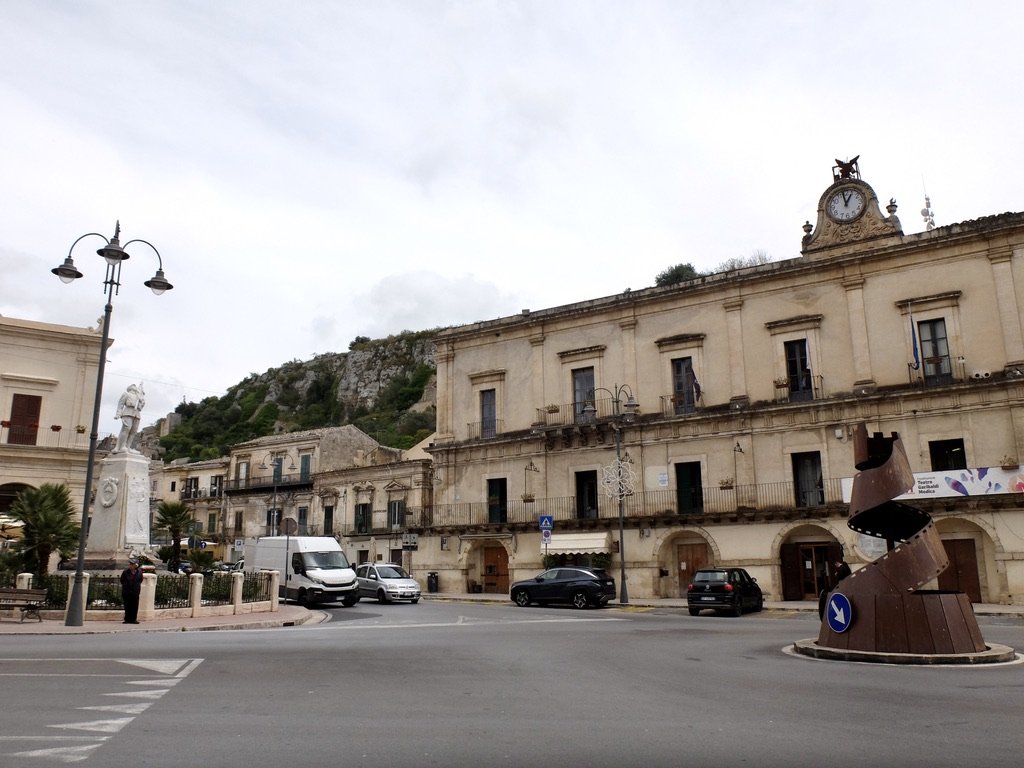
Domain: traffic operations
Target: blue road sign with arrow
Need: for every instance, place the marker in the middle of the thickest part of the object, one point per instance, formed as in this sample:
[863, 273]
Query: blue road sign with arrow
[839, 613]
[547, 522]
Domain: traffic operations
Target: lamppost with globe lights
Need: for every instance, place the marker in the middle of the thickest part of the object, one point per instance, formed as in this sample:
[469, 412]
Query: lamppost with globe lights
[114, 255]
[619, 478]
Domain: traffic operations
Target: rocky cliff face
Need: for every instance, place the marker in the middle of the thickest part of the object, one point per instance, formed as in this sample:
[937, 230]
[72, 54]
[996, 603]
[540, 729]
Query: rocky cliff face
[383, 386]
[357, 377]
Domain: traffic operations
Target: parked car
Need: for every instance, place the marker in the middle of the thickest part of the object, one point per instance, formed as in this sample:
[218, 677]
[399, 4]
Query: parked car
[579, 586]
[724, 589]
[386, 582]
[185, 567]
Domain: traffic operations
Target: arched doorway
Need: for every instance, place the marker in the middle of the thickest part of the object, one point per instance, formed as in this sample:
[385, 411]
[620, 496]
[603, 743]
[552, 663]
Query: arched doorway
[487, 567]
[691, 553]
[807, 559]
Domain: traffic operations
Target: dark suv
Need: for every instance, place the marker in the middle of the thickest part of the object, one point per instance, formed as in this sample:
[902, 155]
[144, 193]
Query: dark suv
[724, 589]
[582, 587]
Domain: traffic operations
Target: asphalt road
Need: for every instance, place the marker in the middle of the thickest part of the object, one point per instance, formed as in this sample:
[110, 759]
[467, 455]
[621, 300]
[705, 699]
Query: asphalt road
[449, 684]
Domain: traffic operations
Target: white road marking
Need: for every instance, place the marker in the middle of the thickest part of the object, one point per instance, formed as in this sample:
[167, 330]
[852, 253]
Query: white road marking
[99, 726]
[463, 621]
[61, 754]
[139, 694]
[163, 666]
[126, 709]
[154, 689]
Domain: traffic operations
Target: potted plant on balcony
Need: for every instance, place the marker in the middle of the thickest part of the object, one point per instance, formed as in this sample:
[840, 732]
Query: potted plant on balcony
[725, 483]
[1009, 463]
[527, 498]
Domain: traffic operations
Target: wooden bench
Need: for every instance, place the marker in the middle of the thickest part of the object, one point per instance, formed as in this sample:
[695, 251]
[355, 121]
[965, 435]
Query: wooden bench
[28, 600]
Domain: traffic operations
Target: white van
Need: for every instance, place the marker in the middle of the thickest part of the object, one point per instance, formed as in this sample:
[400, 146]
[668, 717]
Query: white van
[313, 568]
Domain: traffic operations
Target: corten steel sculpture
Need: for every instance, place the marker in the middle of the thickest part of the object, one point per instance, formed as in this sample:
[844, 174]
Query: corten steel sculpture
[888, 612]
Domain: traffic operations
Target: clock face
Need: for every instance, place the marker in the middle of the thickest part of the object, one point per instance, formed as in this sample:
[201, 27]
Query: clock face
[845, 204]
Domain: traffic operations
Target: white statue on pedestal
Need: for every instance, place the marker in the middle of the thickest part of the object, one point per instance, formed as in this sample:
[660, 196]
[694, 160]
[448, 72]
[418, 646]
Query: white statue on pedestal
[129, 411]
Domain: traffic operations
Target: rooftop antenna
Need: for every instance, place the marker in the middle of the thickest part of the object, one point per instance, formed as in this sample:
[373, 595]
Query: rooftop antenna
[927, 213]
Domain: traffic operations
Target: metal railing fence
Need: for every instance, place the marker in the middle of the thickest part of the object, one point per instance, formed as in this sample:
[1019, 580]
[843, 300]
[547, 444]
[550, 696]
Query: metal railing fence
[256, 586]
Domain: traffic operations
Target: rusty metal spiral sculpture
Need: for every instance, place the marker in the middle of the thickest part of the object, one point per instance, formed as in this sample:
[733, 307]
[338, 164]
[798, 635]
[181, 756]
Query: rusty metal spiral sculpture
[880, 608]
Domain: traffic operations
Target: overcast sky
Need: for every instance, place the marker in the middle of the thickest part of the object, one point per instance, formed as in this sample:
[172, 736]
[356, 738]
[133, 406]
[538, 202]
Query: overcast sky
[315, 171]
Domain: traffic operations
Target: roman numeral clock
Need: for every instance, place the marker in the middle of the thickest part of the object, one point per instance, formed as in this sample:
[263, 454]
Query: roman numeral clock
[849, 214]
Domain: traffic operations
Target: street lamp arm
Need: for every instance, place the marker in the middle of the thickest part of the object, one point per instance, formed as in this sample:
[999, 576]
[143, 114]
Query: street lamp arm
[157, 283]
[89, 234]
[140, 240]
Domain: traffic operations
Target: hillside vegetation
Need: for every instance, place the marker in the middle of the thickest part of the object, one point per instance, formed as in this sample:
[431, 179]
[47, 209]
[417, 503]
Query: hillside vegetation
[382, 386]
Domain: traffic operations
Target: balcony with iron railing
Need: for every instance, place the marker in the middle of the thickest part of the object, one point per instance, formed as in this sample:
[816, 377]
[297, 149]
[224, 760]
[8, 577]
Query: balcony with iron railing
[380, 522]
[40, 436]
[578, 413]
[196, 494]
[810, 387]
[480, 430]
[783, 499]
[268, 482]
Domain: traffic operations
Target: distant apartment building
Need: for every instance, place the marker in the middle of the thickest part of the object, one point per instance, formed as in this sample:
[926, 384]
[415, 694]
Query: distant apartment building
[334, 481]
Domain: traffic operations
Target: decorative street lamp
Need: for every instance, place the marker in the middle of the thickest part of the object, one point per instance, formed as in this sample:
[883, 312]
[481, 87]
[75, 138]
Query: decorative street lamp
[287, 526]
[114, 254]
[619, 478]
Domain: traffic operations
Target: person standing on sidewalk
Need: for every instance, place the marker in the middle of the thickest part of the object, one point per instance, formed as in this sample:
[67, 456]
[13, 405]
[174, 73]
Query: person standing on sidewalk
[131, 586]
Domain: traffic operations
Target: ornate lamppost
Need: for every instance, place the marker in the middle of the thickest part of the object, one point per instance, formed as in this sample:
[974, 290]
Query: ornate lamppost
[619, 478]
[114, 255]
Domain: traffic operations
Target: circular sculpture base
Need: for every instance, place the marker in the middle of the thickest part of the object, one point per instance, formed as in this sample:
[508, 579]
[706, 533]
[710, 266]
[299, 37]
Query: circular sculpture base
[993, 654]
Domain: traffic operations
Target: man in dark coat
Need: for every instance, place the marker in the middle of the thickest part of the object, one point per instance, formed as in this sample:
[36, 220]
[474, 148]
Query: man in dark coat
[842, 570]
[131, 586]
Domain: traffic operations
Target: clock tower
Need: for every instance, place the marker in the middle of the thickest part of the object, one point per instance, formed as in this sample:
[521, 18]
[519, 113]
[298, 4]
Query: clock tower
[848, 215]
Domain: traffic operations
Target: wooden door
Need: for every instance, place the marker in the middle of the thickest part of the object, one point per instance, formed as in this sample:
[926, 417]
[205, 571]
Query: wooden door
[691, 557]
[495, 570]
[962, 573]
[792, 581]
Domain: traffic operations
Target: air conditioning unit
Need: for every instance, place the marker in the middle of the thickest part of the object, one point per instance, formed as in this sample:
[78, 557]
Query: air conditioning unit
[981, 374]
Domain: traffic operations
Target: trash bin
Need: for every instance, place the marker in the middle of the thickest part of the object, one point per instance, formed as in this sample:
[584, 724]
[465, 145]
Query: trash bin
[432, 581]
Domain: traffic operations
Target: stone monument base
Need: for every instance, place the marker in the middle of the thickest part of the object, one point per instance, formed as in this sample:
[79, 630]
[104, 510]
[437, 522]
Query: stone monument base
[119, 525]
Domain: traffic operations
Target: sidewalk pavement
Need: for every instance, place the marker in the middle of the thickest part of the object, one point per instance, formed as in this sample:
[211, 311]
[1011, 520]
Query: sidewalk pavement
[295, 615]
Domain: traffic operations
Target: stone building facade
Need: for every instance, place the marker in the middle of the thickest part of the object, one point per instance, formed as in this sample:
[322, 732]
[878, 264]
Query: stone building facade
[711, 420]
[335, 481]
[47, 390]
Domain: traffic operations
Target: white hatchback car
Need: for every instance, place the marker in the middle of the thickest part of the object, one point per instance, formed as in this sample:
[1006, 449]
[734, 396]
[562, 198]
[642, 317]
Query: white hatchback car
[386, 582]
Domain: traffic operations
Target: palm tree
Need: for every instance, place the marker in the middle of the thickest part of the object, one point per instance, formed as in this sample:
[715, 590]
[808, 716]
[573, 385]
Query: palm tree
[47, 515]
[175, 517]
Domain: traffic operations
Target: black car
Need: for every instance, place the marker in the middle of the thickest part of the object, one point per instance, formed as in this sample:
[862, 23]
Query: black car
[582, 587]
[724, 589]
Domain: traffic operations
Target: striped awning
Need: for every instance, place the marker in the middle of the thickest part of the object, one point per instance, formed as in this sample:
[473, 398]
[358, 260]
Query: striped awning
[579, 543]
